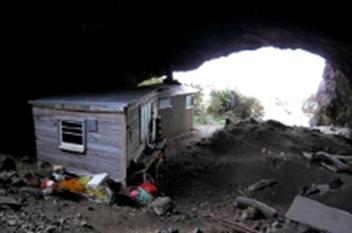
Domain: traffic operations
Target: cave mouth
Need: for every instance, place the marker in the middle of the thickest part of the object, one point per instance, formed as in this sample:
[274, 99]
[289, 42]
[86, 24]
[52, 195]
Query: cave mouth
[285, 81]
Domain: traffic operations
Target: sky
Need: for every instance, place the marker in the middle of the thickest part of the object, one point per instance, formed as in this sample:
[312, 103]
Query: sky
[271, 75]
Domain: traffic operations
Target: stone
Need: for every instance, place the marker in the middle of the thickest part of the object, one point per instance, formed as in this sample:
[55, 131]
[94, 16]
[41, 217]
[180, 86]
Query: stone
[50, 229]
[171, 230]
[11, 202]
[86, 224]
[78, 215]
[3, 192]
[252, 213]
[12, 223]
[17, 181]
[61, 221]
[161, 205]
[44, 169]
[197, 230]
[335, 183]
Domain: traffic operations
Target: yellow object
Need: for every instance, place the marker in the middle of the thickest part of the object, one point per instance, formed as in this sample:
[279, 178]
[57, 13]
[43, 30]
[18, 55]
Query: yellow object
[84, 180]
[99, 193]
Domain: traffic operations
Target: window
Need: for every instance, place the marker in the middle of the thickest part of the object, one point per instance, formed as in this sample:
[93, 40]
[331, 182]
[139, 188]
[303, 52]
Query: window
[72, 136]
[189, 101]
[165, 103]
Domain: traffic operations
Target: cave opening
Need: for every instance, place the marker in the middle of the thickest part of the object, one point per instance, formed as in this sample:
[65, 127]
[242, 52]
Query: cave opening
[284, 81]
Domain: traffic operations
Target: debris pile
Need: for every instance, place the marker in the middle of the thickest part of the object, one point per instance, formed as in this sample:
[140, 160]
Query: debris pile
[334, 163]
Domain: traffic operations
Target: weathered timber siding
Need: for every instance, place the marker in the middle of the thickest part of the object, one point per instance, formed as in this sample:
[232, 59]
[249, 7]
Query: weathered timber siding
[134, 145]
[176, 119]
[105, 148]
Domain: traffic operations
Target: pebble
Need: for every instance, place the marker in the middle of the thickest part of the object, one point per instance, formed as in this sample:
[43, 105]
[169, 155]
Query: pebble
[12, 223]
[197, 230]
[85, 224]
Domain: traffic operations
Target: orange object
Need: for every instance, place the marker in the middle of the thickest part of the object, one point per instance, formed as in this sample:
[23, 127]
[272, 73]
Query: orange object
[72, 185]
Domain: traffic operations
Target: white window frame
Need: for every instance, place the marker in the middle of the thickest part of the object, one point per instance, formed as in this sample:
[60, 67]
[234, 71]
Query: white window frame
[73, 147]
[165, 103]
[189, 101]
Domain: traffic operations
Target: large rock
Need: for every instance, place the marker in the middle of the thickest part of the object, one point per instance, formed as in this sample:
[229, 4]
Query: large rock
[161, 205]
[334, 99]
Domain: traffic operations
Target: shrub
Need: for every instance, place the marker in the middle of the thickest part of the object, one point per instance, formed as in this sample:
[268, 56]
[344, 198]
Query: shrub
[232, 104]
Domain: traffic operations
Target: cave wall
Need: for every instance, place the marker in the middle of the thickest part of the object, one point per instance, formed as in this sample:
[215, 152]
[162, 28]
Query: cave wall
[55, 47]
[334, 99]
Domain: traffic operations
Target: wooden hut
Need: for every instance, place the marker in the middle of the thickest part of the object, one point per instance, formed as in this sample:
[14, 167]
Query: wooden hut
[95, 133]
[176, 109]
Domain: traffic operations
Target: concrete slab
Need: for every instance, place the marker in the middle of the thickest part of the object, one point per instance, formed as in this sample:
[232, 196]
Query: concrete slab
[320, 216]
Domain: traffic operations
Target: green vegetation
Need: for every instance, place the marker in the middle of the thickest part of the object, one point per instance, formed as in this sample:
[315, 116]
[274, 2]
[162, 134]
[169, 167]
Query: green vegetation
[201, 116]
[233, 105]
[150, 82]
[225, 104]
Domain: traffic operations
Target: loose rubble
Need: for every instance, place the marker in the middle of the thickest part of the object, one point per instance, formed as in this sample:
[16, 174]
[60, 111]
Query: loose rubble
[246, 186]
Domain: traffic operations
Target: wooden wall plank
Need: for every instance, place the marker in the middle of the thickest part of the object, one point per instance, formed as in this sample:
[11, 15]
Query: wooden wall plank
[105, 148]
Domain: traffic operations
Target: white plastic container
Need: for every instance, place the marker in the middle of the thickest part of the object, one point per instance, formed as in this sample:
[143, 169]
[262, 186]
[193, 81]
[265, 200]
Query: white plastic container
[97, 180]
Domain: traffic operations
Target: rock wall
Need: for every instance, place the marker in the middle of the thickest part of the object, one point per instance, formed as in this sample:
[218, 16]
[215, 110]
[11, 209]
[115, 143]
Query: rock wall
[334, 99]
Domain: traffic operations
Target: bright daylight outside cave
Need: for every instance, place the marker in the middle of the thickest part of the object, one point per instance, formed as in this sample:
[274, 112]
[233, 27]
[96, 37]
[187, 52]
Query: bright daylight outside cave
[161, 118]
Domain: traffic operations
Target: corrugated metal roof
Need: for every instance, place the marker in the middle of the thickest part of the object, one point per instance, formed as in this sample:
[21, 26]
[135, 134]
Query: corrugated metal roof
[113, 101]
[174, 90]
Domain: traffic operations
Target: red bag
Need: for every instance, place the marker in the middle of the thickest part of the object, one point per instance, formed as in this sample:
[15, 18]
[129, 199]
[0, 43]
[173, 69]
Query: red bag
[150, 188]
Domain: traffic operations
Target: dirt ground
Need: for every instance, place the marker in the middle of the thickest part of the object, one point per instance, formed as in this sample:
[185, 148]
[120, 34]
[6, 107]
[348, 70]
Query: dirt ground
[203, 175]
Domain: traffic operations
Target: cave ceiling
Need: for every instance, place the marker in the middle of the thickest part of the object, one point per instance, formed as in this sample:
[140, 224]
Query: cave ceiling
[99, 43]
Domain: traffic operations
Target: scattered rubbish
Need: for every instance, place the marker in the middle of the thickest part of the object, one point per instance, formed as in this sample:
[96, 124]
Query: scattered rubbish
[329, 161]
[319, 216]
[262, 184]
[97, 187]
[265, 210]
[321, 188]
[72, 185]
[287, 226]
[315, 189]
[144, 193]
[31, 180]
[97, 180]
[150, 188]
[251, 213]
[161, 205]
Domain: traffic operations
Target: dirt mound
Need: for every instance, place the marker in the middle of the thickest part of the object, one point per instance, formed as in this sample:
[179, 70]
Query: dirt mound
[273, 134]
